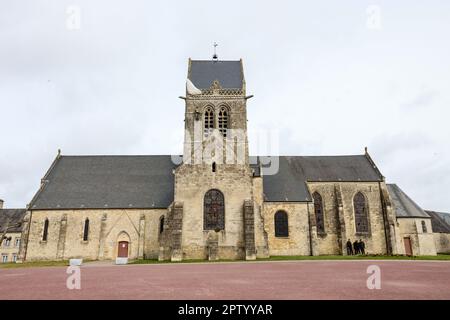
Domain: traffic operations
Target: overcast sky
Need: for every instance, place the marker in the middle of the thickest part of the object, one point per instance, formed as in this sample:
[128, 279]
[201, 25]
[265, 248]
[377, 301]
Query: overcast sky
[332, 77]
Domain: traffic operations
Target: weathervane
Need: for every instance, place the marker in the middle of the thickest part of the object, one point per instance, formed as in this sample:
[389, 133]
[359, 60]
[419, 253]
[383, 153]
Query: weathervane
[215, 57]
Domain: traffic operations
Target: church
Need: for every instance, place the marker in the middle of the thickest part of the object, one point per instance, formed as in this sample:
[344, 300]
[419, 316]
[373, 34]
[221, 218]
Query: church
[217, 202]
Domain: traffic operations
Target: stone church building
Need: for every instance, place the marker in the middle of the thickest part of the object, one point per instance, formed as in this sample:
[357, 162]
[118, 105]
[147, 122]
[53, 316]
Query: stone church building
[215, 201]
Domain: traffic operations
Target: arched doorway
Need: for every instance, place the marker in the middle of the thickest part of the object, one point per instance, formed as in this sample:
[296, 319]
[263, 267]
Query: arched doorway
[122, 250]
[123, 245]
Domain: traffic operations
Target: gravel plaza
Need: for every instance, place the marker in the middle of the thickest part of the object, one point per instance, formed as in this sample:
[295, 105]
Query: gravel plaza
[233, 280]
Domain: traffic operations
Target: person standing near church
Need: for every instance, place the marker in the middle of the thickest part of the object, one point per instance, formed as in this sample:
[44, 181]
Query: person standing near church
[356, 247]
[349, 248]
[362, 246]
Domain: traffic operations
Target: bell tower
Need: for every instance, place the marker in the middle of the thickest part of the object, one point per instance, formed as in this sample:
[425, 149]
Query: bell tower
[216, 113]
[212, 213]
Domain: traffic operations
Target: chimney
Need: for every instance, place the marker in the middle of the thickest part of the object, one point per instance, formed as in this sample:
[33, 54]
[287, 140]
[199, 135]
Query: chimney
[1, 203]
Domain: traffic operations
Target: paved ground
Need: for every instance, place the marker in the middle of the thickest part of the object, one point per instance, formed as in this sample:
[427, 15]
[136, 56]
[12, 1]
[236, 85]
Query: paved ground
[236, 281]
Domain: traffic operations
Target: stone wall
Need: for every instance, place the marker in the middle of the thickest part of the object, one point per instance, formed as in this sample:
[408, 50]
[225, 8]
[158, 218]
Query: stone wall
[340, 227]
[442, 242]
[297, 243]
[422, 243]
[140, 227]
[261, 238]
[191, 184]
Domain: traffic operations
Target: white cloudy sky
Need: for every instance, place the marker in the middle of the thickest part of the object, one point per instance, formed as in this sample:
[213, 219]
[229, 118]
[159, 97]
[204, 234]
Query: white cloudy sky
[319, 74]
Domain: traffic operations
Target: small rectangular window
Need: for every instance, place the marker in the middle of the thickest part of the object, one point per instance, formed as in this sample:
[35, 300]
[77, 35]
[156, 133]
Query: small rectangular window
[4, 258]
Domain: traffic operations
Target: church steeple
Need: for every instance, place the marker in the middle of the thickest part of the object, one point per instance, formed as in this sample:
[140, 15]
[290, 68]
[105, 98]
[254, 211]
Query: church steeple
[216, 115]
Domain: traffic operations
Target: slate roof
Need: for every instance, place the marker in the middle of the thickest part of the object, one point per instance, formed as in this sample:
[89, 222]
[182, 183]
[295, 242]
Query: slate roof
[440, 221]
[405, 207]
[99, 182]
[13, 218]
[288, 184]
[202, 73]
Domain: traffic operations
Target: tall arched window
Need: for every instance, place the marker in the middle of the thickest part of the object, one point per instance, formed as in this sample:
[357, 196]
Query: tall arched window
[208, 121]
[281, 224]
[214, 210]
[161, 225]
[424, 227]
[86, 230]
[45, 233]
[223, 121]
[361, 214]
[318, 210]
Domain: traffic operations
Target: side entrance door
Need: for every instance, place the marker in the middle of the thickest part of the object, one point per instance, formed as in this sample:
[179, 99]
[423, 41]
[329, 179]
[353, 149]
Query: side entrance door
[123, 249]
[408, 247]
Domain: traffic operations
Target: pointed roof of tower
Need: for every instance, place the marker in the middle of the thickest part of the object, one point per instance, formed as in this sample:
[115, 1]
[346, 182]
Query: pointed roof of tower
[203, 73]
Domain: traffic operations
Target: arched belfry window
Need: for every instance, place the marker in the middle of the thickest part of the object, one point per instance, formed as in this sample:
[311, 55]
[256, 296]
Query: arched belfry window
[318, 210]
[45, 233]
[86, 230]
[208, 121]
[361, 214]
[223, 121]
[281, 224]
[214, 210]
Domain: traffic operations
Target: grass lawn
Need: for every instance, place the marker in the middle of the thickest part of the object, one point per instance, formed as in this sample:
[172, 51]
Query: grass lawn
[34, 264]
[274, 258]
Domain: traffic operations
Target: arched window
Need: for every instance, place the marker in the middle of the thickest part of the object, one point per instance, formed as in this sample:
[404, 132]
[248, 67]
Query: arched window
[361, 214]
[86, 230]
[161, 225]
[45, 233]
[209, 121]
[424, 227]
[281, 224]
[223, 121]
[214, 210]
[318, 210]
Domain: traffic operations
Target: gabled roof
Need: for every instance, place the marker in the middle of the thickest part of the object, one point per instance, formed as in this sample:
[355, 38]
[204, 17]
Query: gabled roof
[202, 73]
[12, 218]
[440, 221]
[289, 182]
[405, 207]
[99, 182]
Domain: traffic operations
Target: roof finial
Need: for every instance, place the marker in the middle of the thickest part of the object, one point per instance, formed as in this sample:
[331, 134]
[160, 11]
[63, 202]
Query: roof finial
[365, 150]
[215, 56]
[59, 152]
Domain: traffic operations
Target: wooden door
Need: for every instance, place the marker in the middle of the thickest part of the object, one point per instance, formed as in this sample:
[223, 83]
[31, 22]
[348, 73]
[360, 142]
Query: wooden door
[122, 251]
[408, 247]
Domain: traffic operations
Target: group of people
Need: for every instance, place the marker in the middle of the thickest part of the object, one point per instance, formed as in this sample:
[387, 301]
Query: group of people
[358, 247]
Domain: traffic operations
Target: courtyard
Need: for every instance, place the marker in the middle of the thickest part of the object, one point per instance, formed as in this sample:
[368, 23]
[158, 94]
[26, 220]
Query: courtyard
[233, 280]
